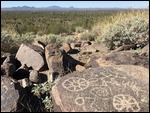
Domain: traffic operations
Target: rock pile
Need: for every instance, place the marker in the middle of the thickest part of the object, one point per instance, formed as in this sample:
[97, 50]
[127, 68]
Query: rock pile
[111, 81]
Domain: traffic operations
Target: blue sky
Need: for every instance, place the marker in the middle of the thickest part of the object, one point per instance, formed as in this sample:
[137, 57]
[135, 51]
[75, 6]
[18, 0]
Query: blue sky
[78, 4]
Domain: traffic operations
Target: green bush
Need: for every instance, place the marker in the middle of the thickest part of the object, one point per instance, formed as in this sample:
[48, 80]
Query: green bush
[55, 39]
[49, 39]
[44, 88]
[11, 41]
[7, 43]
[79, 29]
[90, 36]
[69, 39]
[130, 30]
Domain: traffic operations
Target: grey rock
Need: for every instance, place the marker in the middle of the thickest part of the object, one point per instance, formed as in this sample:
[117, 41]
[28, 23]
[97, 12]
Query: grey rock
[9, 95]
[32, 56]
[10, 59]
[34, 76]
[125, 57]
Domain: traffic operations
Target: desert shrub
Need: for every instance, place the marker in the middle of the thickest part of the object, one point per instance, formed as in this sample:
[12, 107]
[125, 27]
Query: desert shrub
[11, 41]
[126, 28]
[49, 39]
[7, 43]
[69, 39]
[54, 39]
[79, 29]
[44, 88]
[88, 36]
[27, 38]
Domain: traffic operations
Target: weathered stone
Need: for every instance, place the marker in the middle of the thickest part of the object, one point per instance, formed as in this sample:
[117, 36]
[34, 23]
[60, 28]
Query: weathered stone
[120, 88]
[66, 47]
[25, 82]
[125, 57]
[54, 59]
[59, 61]
[3, 58]
[8, 69]
[80, 68]
[32, 56]
[103, 63]
[94, 48]
[74, 45]
[10, 59]
[40, 44]
[145, 51]
[9, 95]
[91, 62]
[86, 43]
[34, 76]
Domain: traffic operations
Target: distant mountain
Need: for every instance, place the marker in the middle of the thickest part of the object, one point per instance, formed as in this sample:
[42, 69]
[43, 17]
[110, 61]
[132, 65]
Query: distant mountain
[54, 8]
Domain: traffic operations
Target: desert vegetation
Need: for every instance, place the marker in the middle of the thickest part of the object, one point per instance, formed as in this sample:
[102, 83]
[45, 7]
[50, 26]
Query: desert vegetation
[115, 27]
[85, 30]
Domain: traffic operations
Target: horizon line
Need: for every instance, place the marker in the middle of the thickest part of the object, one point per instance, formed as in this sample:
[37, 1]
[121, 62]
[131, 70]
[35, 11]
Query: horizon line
[75, 7]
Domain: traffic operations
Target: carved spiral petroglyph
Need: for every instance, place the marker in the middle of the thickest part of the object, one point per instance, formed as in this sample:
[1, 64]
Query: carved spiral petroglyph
[75, 84]
[126, 103]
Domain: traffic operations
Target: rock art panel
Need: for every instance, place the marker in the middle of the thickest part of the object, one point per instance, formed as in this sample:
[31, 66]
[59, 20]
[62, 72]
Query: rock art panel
[75, 84]
[104, 89]
[125, 102]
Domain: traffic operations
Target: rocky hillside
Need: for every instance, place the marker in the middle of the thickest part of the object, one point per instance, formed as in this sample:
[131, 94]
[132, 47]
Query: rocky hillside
[79, 76]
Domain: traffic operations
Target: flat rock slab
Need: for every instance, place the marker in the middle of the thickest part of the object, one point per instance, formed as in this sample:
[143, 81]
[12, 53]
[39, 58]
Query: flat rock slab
[126, 57]
[31, 55]
[9, 96]
[105, 89]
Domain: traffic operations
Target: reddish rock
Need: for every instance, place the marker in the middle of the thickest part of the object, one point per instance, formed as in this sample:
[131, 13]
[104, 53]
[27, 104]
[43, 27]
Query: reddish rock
[54, 58]
[59, 61]
[80, 68]
[145, 51]
[66, 47]
[103, 63]
[120, 88]
[75, 45]
[8, 69]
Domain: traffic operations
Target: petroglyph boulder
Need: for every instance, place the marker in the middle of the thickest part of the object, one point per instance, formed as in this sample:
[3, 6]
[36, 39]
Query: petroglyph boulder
[32, 56]
[9, 95]
[120, 88]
